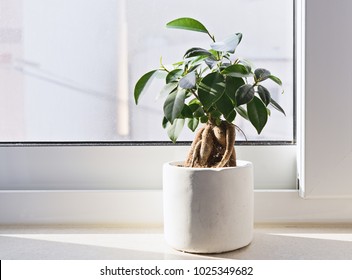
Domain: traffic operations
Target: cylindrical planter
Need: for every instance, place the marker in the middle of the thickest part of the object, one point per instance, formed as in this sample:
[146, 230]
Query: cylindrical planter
[208, 210]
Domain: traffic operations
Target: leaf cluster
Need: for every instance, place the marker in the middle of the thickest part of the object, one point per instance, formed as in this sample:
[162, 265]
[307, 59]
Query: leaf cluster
[211, 85]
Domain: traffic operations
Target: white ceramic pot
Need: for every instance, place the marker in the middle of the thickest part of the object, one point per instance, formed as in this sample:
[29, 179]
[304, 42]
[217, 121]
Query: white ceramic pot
[208, 210]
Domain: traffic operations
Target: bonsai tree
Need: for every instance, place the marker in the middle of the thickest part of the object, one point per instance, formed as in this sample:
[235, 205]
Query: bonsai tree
[211, 86]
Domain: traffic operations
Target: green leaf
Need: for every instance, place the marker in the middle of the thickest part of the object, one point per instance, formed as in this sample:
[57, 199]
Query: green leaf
[242, 112]
[188, 81]
[204, 119]
[264, 95]
[210, 62]
[174, 104]
[187, 24]
[160, 74]
[193, 123]
[195, 65]
[173, 75]
[231, 117]
[167, 89]
[177, 64]
[197, 52]
[275, 79]
[164, 123]
[211, 88]
[244, 94]
[215, 113]
[186, 112]
[196, 108]
[246, 63]
[257, 114]
[195, 62]
[194, 101]
[261, 74]
[225, 106]
[277, 106]
[174, 130]
[142, 84]
[228, 45]
[232, 85]
[237, 70]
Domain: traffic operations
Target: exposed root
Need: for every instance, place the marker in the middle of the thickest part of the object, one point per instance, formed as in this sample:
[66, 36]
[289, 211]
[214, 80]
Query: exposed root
[232, 161]
[195, 155]
[219, 134]
[206, 146]
[213, 146]
[190, 156]
[230, 142]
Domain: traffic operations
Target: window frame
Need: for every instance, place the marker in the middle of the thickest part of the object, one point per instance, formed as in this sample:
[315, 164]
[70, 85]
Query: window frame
[106, 167]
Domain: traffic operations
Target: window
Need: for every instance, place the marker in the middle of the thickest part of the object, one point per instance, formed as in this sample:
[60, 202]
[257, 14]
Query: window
[97, 173]
[37, 181]
[68, 68]
[67, 73]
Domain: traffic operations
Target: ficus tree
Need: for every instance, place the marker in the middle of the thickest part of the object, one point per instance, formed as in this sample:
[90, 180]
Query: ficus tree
[211, 86]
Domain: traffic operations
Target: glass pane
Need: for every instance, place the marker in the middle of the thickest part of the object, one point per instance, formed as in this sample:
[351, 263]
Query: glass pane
[68, 68]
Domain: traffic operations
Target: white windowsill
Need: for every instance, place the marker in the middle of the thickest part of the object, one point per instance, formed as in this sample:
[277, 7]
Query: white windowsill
[144, 208]
[270, 242]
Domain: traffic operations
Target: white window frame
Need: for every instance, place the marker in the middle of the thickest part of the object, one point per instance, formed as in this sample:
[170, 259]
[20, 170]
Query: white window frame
[45, 195]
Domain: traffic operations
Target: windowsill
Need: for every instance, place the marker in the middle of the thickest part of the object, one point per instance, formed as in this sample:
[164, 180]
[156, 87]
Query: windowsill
[270, 242]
